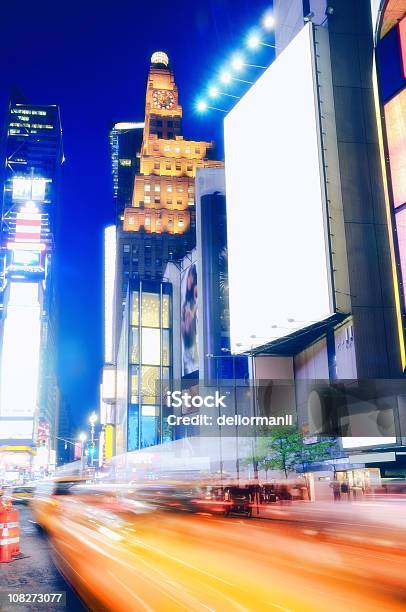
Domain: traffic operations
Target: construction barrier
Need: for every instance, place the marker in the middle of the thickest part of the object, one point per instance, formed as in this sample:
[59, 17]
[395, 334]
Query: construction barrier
[9, 533]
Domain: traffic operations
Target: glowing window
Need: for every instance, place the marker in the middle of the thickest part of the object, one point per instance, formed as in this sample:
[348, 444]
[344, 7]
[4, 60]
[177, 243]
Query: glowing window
[147, 187]
[169, 188]
[157, 187]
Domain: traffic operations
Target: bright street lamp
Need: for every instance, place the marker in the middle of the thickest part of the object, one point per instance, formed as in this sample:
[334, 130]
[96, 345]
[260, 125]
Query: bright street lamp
[214, 93]
[268, 21]
[201, 106]
[226, 78]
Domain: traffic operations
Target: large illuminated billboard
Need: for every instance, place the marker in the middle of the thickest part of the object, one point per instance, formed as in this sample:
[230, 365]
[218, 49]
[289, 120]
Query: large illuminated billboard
[395, 118]
[20, 358]
[29, 189]
[189, 302]
[279, 269]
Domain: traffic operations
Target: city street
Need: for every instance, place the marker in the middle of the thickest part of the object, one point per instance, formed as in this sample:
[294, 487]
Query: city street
[296, 561]
[35, 571]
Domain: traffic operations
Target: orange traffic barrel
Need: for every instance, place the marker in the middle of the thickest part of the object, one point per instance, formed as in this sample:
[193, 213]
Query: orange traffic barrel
[9, 533]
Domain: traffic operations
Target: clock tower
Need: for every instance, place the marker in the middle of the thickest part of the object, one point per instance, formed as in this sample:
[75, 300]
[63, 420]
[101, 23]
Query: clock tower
[162, 212]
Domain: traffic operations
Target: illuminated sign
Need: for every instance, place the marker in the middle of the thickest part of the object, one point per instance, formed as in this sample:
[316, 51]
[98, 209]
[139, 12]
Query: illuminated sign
[402, 35]
[109, 283]
[20, 357]
[188, 318]
[29, 189]
[359, 442]
[16, 430]
[109, 384]
[108, 441]
[276, 212]
[395, 118]
[26, 263]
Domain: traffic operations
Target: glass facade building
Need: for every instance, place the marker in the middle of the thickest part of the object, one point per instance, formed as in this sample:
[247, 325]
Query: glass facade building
[144, 366]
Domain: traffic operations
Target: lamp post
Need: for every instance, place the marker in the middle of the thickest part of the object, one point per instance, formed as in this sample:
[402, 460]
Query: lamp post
[92, 421]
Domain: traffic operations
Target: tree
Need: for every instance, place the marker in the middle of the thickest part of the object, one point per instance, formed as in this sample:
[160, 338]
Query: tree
[281, 448]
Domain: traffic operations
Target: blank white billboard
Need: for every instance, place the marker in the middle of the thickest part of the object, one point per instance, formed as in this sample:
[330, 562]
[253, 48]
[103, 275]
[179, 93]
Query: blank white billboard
[279, 270]
[20, 359]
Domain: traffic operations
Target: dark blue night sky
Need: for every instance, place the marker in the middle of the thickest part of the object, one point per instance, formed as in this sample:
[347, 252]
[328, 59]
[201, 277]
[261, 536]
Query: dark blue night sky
[92, 58]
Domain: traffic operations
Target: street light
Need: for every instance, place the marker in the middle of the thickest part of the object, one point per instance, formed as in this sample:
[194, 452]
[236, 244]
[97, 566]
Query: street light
[202, 107]
[254, 41]
[214, 93]
[238, 63]
[268, 21]
[226, 78]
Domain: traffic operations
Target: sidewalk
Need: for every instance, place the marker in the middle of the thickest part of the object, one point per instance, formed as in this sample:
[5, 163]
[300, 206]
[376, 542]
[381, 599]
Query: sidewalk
[35, 572]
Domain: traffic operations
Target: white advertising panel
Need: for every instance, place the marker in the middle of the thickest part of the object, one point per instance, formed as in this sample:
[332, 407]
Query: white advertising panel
[276, 212]
[16, 430]
[21, 351]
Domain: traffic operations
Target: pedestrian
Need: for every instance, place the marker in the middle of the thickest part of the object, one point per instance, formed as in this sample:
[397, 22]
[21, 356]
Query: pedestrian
[335, 485]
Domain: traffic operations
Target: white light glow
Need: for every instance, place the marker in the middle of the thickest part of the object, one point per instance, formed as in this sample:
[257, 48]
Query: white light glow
[358, 442]
[213, 92]
[21, 351]
[254, 41]
[225, 77]
[109, 383]
[237, 62]
[109, 284]
[201, 106]
[277, 240]
[268, 21]
[16, 430]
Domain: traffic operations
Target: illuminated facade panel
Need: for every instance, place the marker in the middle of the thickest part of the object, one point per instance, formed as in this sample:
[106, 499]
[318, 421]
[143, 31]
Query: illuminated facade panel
[395, 117]
[276, 204]
[110, 247]
[21, 352]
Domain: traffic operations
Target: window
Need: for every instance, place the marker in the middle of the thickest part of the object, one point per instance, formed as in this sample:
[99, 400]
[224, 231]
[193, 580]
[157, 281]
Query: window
[179, 202]
[159, 134]
[159, 122]
[181, 223]
[169, 201]
[177, 149]
[147, 199]
[131, 220]
[179, 188]
[168, 166]
[157, 187]
[156, 147]
[147, 221]
[147, 187]
[170, 123]
[187, 151]
[125, 162]
[170, 135]
[197, 151]
[190, 168]
[158, 261]
[157, 200]
[178, 166]
[156, 165]
[191, 202]
[190, 189]
[134, 308]
[158, 223]
[169, 188]
[126, 248]
[167, 148]
[150, 309]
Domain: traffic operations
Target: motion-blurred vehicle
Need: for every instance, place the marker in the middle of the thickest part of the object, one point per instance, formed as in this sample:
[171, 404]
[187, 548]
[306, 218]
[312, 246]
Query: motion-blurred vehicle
[238, 502]
[46, 498]
[21, 495]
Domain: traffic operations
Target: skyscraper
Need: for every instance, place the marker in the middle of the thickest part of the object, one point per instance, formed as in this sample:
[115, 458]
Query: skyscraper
[29, 395]
[154, 226]
[160, 223]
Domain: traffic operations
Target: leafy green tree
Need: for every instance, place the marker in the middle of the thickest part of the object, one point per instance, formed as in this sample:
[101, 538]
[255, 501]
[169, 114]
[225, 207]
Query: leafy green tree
[281, 448]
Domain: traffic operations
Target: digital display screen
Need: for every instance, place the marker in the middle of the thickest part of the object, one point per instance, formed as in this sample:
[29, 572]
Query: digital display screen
[278, 255]
[189, 304]
[395, 118]
[26, 258]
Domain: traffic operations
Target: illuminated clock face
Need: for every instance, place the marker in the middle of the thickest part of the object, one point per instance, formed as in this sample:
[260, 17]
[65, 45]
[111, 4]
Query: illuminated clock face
[163, 99]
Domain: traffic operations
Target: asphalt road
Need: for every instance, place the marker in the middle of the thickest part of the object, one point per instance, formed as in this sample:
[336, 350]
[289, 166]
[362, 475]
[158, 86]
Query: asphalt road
[35, 572]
